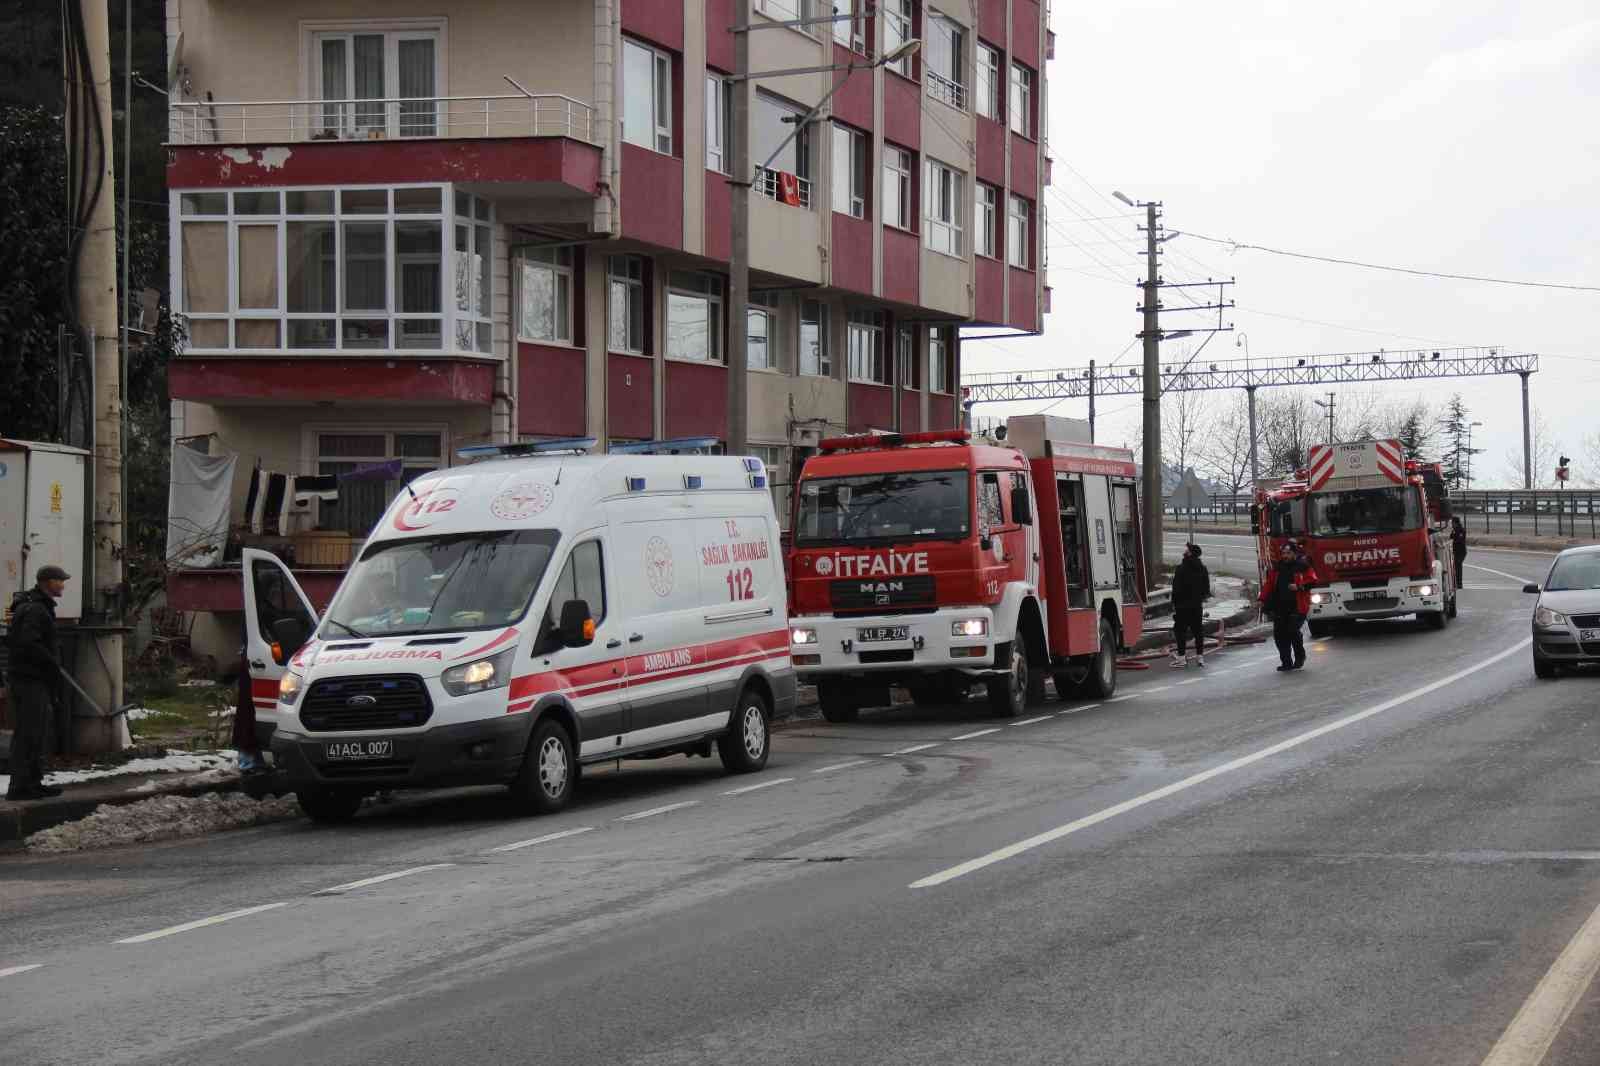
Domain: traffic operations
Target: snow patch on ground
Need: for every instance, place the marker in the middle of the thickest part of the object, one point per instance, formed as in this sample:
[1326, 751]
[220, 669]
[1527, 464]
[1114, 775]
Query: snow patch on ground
[137, 713]
[197, 682]
[162, 818]
[177, 781]
[172, 762]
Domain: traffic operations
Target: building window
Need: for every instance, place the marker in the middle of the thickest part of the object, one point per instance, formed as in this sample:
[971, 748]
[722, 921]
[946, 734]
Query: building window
[939, 359]
[989, 89]
[905, 356]
[1021, 100]
[849, 171]
[694, 316]
[719, 122]
[816, 356]
[363, 500]
[986, 221]
[762, 318]
[790, 10]
[545, 295]
[646, 97]
[779, 139]
[474, 274]
[864, 345]
[850, 32]
[947, 66]
[897, 30]
[1019, 223]
[357, 75]
[897, 178]
[944, 195]
[625, 329]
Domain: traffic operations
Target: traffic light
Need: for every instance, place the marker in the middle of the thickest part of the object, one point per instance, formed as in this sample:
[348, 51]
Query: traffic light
[1561, 470]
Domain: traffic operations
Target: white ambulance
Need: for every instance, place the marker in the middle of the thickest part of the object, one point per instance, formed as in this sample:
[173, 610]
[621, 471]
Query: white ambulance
[513, 619]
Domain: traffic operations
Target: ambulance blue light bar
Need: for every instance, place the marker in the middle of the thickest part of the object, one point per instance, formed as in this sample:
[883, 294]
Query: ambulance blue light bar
[662, 447]
[527, 447]
[692, 481]
[635, 484]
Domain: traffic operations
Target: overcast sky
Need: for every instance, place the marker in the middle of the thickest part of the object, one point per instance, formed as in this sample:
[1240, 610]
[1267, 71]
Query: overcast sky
[1455, 136]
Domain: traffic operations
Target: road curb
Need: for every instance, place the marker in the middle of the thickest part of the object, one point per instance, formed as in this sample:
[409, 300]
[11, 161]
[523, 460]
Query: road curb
[1160, 638]
[18, 821]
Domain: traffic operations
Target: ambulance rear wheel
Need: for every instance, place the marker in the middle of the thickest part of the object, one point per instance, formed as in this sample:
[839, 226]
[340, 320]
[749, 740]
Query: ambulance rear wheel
[838, 702]
[1102, 679]
[1008, 693]
[744, 746]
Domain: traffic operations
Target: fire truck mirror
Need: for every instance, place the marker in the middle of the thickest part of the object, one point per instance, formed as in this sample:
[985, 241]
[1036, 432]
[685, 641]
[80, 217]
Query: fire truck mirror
[1021, 507]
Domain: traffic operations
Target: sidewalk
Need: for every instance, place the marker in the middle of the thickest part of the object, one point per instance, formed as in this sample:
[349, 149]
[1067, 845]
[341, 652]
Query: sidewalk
[81, 798]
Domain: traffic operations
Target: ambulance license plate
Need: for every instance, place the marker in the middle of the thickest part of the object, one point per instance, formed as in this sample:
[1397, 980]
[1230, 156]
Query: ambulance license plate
[880, 633]
[356, 750]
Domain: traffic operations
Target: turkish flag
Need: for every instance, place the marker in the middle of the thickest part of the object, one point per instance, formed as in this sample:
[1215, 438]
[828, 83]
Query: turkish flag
[789, 189]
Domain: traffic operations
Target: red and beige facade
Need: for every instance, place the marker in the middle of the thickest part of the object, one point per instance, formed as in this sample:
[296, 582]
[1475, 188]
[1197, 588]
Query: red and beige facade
[399, 227]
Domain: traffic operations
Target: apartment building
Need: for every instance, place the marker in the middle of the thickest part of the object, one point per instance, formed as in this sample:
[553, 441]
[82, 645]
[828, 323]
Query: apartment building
[400, 227]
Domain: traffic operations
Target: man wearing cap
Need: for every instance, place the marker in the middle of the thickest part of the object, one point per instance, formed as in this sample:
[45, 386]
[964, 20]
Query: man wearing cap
[35, 675]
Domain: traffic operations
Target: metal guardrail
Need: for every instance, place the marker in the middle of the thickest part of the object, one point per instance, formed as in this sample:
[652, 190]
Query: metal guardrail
[296, 121]
[1512, 512]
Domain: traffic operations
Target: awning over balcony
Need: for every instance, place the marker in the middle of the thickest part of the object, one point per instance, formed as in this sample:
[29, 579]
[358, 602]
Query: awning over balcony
[375, 380]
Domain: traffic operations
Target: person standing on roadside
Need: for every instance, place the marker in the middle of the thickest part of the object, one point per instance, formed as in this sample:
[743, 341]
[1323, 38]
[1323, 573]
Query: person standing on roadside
[244, 721]
[1191, 587]
[1458, 542]
[1286, 596]
[34, 681]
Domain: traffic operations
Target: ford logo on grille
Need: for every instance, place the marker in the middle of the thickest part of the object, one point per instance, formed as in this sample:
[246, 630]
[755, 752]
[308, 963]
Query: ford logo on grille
[362, 700]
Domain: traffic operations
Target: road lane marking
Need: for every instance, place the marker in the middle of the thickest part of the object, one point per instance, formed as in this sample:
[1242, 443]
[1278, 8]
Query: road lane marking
[1119, 699]
[339, 890]
[1011, 851]
[1158, 688]
[912, 748]
[1033, 721]
[547, 838]
[215, 919]
[841, 766]
[1527, 1039]
[1085, 707]
[758, 787]
[12, 971]
[1191, 681]
[653, 811]
[1500, 573]
[968, 736]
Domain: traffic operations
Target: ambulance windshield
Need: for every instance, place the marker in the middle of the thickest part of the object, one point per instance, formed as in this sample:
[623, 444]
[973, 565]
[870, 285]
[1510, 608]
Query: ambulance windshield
[440, 584]
[883, 508]
[1357, 511]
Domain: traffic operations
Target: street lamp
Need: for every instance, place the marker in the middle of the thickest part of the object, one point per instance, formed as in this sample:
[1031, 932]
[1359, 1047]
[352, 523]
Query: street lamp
[1469, 451]
[1328, 407]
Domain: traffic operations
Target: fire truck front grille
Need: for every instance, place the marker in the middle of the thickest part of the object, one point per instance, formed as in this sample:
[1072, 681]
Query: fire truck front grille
[867, 594]
[352, 703]
[1376, 603]
[1369, 583]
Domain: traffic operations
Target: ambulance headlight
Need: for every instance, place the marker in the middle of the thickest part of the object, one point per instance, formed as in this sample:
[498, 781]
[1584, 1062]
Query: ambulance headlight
[289, 686]
[480, 676]
[798, 635]
[970, 627]
[1423, 590]
[1319, 597]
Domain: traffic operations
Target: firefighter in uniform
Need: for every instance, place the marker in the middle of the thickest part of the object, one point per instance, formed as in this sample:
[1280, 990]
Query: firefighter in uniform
[34, 681]
[1286, 596]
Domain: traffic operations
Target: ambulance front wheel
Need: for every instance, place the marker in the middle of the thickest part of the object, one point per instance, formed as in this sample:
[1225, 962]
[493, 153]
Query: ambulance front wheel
[745, 745]
[549, 769]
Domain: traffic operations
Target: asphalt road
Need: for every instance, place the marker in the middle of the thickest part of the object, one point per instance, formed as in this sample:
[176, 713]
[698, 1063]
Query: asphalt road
[1379, 859]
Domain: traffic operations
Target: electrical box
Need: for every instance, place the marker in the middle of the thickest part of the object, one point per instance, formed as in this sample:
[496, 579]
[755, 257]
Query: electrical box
[42, 518]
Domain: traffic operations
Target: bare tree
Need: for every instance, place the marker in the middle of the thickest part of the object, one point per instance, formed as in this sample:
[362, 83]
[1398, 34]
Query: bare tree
[1289, 426]
[1184, 416]
[1224, 451]
[1545, 449]
[1591, 460]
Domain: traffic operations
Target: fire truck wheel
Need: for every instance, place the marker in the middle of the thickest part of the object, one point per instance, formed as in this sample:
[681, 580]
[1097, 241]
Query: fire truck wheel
[1102, 679]
[1008, 693]
[1436, 619]
[838, 703]
[1452, 608]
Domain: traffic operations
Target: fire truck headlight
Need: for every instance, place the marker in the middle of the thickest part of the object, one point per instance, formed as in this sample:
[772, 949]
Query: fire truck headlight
[1319, 597]
[1423, 590]
[970, 627]
[802, 636]
[1544, 616]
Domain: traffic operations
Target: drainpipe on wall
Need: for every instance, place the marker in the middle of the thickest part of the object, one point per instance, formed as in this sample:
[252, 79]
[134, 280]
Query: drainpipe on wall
[606, 29]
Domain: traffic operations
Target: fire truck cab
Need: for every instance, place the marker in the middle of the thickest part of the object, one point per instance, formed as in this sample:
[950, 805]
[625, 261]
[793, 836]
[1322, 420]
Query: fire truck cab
[935, 560]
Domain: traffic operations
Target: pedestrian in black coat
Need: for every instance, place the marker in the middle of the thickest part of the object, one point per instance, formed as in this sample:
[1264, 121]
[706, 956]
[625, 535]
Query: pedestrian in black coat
[1458, 544]
[35, 670]
[1191, 587]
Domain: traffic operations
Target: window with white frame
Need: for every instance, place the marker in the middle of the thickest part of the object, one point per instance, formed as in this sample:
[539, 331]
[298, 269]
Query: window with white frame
[625, 325]
[989, 88]
[790, 10]
[646, 96]
[939, 359]
[944, 200]
[986, 220]
[850, 32]
[761, 331]
[719, 122]
[1019, 226]
[815, 352]
[775, 457]
[779, 139]
[348, 269]
[363, 500]
[544, 297]
[864, 345]
[694, 316]
[905, 356]
[1021, 99]
[897, 178]
[947, 60]
[849, 171]
[897, 30]
[378, 82]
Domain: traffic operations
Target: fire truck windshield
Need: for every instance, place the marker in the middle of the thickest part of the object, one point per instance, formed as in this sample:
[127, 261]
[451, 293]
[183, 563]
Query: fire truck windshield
[1354, 512]
[892, 506]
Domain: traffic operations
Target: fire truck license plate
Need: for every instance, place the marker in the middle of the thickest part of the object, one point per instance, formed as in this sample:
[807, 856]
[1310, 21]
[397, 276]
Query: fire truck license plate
[349, 750]
[877, 633]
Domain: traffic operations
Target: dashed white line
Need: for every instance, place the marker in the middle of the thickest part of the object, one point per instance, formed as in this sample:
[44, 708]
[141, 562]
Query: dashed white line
[339, 890]
[979, 733]
[12, 971]
[912, 748]
[1032, 721]
[758, 787]
[1081, 707]
[1191, 681]
[653, 811]
[547, 838]
[1119, 699]
[216, 919]
[841, 766]
[1158, 688]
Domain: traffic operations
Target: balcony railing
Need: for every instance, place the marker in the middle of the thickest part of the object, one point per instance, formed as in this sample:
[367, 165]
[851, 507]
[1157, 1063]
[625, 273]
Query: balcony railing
[946, 91]
[294, 121]
[771, 184]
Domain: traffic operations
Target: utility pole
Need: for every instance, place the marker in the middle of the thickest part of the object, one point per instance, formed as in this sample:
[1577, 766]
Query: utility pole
[1527, 437]
[739, 242]
[100, 665]
[1328, 407]
[1152, 397]
[1255, 468]
[1091, 401]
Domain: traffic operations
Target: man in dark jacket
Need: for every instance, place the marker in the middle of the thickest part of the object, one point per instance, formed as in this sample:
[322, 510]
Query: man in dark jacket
[34, 681]
[1191, 587]
[1285, 596]
[1458, 544]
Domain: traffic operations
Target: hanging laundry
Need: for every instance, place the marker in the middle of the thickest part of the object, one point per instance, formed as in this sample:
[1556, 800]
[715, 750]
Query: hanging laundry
[271, 516]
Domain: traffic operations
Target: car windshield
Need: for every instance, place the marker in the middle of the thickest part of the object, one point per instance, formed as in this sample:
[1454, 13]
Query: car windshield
[1579, 571]
[894, 506]
[1357, 511]
[440, 584]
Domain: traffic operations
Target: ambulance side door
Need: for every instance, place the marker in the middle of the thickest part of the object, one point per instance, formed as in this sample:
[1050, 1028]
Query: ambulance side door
[271, 595]
[595, 674]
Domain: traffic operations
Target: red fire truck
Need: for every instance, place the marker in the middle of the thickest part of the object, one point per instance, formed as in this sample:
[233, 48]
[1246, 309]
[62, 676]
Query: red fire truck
[936, 560]
[1377, 528]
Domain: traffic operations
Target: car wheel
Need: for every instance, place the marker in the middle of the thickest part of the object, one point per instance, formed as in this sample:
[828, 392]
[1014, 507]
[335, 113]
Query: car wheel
[549, 769]
[838, 702]
[328, 805]
[745, 745]
[1544, 668]
[1102, 680]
